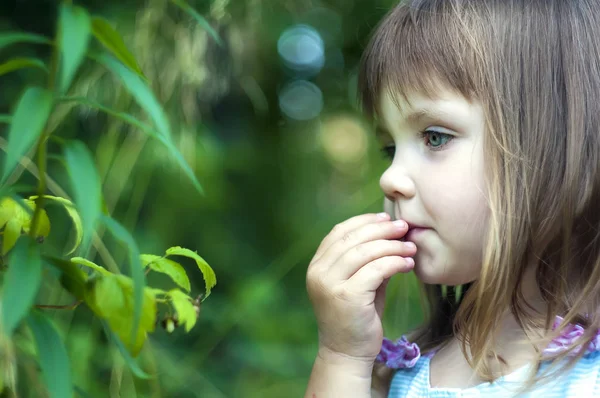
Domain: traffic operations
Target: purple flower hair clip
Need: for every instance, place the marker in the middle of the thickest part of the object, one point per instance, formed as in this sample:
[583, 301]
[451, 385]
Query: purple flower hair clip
[399, 354]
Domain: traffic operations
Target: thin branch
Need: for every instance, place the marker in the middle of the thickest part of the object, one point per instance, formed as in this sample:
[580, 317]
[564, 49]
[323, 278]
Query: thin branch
[71, 306]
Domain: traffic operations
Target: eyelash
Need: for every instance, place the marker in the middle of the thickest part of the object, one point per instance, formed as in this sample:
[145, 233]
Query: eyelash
[389, 151]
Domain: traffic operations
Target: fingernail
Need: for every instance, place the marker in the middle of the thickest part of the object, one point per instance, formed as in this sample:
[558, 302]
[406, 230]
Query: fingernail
[410, 262]
[401, 224]
[410, 245]
[383, 216]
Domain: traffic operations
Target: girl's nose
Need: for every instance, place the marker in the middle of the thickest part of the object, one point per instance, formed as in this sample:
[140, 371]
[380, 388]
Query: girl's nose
[396, 183]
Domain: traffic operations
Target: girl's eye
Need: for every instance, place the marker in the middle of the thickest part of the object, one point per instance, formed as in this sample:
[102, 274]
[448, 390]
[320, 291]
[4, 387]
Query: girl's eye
[389, 151]
[436, 140]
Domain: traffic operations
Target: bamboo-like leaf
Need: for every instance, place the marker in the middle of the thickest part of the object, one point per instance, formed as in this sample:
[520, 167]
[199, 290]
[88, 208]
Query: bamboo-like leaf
[8, 38]
[21, 283]
[89, 264]
[27, 125]
[184, 307]
[127, 118]
[72, 211]
[210, 279]
[200, 19]
[112, 41]
[75, 30]
[168, 267]
[20, 63]
[137, 273]
[131, 363]
[86, 186]
[141, 92]
[6, 119]
[54, 361]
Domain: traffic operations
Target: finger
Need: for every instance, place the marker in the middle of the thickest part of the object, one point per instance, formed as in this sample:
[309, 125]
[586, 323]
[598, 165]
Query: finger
[356, 258]
[370, 277]
[365, 233]
[380, 297]
[345, 227]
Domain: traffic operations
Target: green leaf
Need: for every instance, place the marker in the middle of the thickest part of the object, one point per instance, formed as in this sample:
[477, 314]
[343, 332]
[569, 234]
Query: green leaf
[141, 92]
[8, 38]
[200, 19]
[131, 363]
[183, 164]
[73, 279]
[21, 283]
[127, 118]
[54, 361]
[27, 125]
[112, 41]
[6, 119]
[89, 264]
[20, 63]
[12, 232]
[137, 273]
[72, 211]
[75, 29]
[169, 267]
[111, 298]
[184, 307]
[210, 279]
[86, 186]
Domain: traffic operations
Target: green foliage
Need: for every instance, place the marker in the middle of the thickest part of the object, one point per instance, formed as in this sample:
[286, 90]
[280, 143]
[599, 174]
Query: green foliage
[54, 360]
[123, 302]
[74, 36]
[26, 127]
[86, 186]
[20, 63]
[21, 284]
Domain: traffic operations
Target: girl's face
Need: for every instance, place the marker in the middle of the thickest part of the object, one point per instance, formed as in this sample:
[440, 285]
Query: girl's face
[436, 182]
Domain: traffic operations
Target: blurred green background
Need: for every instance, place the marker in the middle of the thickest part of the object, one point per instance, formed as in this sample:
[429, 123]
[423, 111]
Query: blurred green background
[268, 121]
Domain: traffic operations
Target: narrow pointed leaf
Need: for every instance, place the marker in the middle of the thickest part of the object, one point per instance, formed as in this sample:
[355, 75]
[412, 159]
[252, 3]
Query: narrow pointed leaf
[112, 41]
[129, 360]
[89, 264]
[184, 307]
[26, 126]
[54, 361]
[141, 92]
[183, 164]
[21, 283]
[137, 273]
[85, 184]
[200, 19]
[75, 29]
[168, 267]
[20, 63]
[8, 38]
[210, 279]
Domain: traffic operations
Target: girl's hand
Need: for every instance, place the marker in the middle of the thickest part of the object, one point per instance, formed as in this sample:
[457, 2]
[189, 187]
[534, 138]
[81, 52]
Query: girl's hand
[346, 283]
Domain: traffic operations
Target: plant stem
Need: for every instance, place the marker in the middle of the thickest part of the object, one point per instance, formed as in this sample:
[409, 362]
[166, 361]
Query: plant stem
[42, 154]
[71, 306]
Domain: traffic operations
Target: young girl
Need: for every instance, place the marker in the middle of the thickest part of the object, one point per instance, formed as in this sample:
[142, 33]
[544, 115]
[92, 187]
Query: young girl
[490, 113]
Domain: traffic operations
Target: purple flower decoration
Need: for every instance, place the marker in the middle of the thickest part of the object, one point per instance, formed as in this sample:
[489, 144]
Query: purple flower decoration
[399, 354]
[403, 354]
[569, 335]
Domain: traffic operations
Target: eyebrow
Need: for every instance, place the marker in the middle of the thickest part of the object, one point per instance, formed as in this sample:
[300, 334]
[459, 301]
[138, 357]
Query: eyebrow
[414, 117]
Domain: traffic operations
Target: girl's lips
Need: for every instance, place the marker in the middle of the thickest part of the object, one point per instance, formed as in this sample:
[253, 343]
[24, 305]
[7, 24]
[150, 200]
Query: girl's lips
[415, 233]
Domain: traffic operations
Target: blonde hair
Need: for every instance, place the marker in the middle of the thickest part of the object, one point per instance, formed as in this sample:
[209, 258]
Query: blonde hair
[534, 66]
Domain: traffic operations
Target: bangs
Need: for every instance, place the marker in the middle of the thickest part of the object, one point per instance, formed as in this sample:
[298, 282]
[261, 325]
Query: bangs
[421, 46]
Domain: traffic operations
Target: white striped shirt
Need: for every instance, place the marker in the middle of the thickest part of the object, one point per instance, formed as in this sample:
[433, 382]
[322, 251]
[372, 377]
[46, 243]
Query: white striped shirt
[582, 381]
